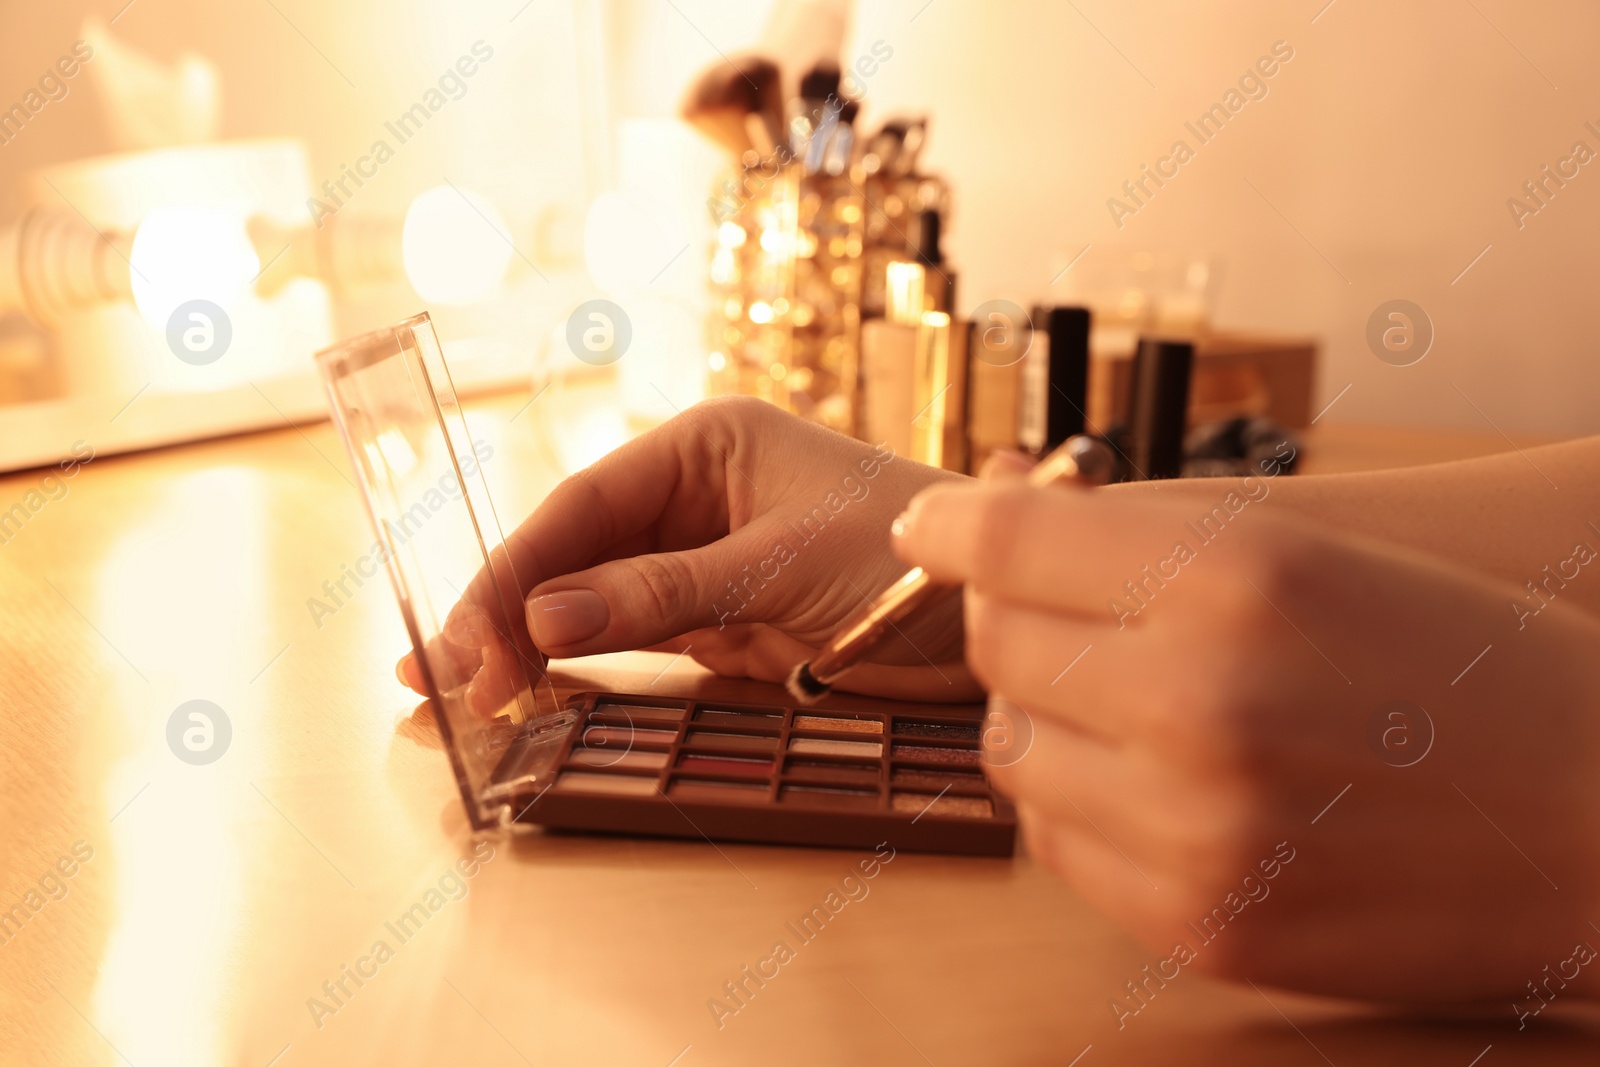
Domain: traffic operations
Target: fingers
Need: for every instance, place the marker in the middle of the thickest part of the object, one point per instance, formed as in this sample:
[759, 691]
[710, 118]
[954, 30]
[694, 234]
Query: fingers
[643, 600]
[682, 463]
[1062, 549]
[1058, 665]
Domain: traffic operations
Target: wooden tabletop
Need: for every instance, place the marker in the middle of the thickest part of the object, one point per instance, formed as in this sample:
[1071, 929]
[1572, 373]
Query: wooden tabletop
[208, 904]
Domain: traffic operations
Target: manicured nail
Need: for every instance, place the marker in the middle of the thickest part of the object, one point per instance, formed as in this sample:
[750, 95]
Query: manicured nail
[567, 617]
[408, 672]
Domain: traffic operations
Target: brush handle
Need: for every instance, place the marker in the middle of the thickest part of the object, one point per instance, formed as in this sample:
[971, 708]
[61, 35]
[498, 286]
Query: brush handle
[866, 629]
[1079, 459]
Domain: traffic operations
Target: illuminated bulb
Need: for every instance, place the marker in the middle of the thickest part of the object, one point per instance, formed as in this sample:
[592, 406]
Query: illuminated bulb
[731, 235]
[760, 312]
[456, 247]
[181, 254]
[718, 361]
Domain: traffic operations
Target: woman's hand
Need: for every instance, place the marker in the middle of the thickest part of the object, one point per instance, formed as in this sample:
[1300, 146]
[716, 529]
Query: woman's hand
[735, 531]
[1314, 761]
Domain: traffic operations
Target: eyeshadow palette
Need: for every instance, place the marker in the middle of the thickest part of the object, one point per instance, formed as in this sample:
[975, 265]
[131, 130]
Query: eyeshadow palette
[735, 772]
[607, 762]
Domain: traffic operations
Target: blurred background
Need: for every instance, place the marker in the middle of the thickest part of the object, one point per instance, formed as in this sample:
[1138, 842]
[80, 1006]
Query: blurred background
[313, 171]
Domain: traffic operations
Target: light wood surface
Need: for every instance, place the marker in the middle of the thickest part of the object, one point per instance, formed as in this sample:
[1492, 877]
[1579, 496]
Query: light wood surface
[220, 898]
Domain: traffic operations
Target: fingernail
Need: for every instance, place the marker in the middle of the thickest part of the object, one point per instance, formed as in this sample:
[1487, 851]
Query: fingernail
[409, 672]
[567, 617]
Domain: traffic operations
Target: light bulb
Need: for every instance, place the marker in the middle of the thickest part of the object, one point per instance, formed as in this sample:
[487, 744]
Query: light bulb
[456, 247]
[181, 254]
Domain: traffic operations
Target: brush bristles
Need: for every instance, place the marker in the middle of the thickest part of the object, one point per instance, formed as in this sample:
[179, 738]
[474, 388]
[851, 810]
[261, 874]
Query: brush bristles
[804, 687]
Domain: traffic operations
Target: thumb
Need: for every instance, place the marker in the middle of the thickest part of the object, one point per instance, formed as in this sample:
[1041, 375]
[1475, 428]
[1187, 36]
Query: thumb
[637, 601]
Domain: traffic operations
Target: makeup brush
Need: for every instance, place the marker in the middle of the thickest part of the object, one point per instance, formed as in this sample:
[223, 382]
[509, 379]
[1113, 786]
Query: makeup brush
[739, 104]
[1080, 460]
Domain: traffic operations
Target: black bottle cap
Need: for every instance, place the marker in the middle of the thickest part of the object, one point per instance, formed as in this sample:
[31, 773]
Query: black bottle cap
[1158, 408]
[929, 229]
[1068, 395]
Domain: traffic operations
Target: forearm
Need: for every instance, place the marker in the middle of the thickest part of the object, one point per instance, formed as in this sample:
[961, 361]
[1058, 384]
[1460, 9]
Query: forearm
[1509, 516]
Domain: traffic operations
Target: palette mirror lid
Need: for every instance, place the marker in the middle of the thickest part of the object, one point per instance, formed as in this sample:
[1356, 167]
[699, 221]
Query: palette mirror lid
[420, 475]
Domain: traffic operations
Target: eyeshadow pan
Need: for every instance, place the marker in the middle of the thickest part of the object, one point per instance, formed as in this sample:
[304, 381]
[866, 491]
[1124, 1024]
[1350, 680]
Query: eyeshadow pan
[818, 746]
[933, 804]
[642, 713]
[612, 784]
[836, 723]
[744, 768]
[722, 717]
[936, 729]
[803, 770]
[818, 796]
[931, 754]
[731, 792]
[737, 742]
[935, 779]
[614, 756]
[625, 737]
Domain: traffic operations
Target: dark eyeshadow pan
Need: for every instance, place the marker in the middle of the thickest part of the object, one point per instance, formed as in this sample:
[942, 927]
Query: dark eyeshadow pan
[908, 728]
[937, 754]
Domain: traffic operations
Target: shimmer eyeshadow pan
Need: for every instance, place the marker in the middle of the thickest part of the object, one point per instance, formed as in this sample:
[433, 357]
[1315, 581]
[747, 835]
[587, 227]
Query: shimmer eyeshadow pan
[930, 754]
[928, 778]
[907, 728]
[821, 746]
[768, 774]
[838, 724]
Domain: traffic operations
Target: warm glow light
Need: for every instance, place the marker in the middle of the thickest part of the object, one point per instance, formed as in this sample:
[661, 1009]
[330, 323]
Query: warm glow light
[761, 312]
[456, 247]
[717, 361]
[731, 235]
[190, 253]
